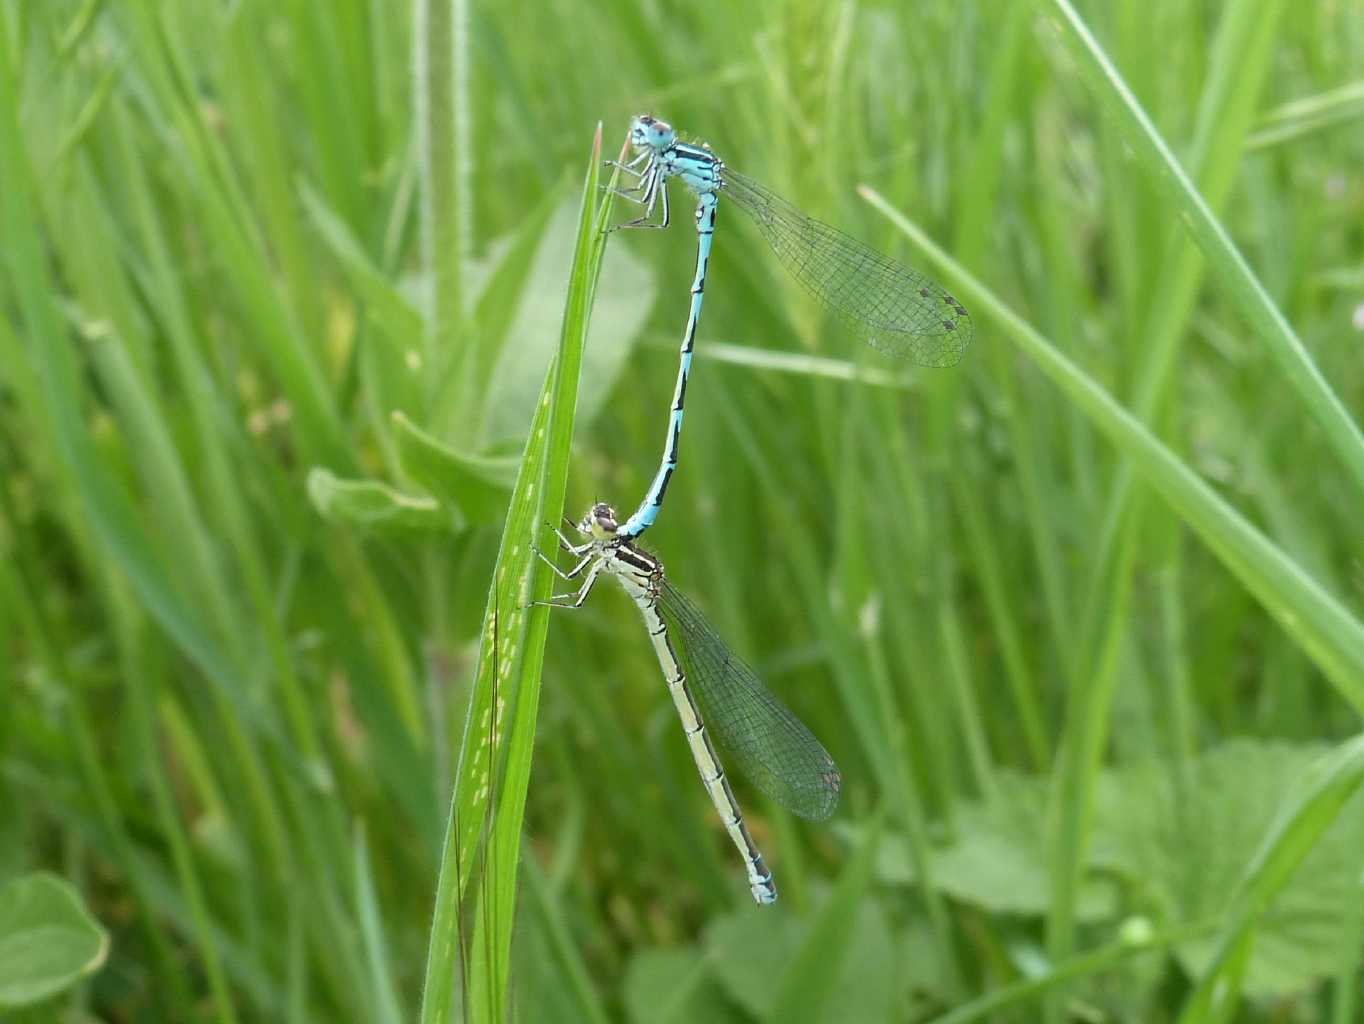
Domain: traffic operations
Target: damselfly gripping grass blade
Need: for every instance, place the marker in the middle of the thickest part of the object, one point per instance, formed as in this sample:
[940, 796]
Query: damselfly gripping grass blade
[712, 690]
[899, 311]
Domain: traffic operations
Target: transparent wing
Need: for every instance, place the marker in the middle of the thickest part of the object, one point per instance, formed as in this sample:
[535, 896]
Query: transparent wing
[757, 732]
[902, 312]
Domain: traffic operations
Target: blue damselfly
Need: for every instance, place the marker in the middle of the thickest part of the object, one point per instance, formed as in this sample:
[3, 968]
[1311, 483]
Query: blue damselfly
[898, 310]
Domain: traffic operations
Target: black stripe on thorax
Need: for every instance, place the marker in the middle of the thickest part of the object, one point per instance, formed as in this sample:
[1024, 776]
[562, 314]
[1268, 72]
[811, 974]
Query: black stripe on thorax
[686, 149]
[636, 558]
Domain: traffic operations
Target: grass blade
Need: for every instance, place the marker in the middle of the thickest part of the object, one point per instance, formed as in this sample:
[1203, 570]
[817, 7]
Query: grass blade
[808, 983]
[377, 956]
[441, 62]
[497, 755]
[1224, 259]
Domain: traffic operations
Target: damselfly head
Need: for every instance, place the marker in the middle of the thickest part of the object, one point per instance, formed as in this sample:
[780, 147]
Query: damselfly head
[600, 521]
[647, 132]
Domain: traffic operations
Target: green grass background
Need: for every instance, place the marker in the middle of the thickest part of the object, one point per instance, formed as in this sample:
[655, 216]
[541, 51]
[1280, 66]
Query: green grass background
[293, 303]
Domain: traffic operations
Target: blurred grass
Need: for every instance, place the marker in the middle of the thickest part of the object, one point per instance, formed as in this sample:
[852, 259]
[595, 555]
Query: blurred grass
[280, 285]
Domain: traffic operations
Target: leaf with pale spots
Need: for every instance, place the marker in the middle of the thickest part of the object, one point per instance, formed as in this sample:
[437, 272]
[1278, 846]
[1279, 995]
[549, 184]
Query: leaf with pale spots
[483, 834]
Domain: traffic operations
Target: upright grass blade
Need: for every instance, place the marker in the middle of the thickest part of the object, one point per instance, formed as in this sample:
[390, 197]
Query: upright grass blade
[165, 81]
[977, 213]
[806, 987]
[579, 999]
[441, 66]
[111, 513]
[1224, 259]
[494, 763]
[388, 1007]
[1245, 36]
[394, 311]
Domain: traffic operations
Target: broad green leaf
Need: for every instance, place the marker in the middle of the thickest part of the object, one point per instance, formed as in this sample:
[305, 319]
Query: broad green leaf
[748, 949]
[618, 316]
[674, 986]
[48, 940]
[1188, 852]
[372, 503]
[766, 961]
[475, 487]
[874, 979]
[997, 858]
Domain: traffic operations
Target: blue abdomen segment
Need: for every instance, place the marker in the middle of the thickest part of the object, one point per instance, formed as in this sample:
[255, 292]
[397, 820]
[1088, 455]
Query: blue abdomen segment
[705, 230]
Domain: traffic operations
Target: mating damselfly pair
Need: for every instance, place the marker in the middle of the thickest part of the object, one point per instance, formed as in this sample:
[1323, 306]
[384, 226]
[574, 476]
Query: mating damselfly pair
[900, 312]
